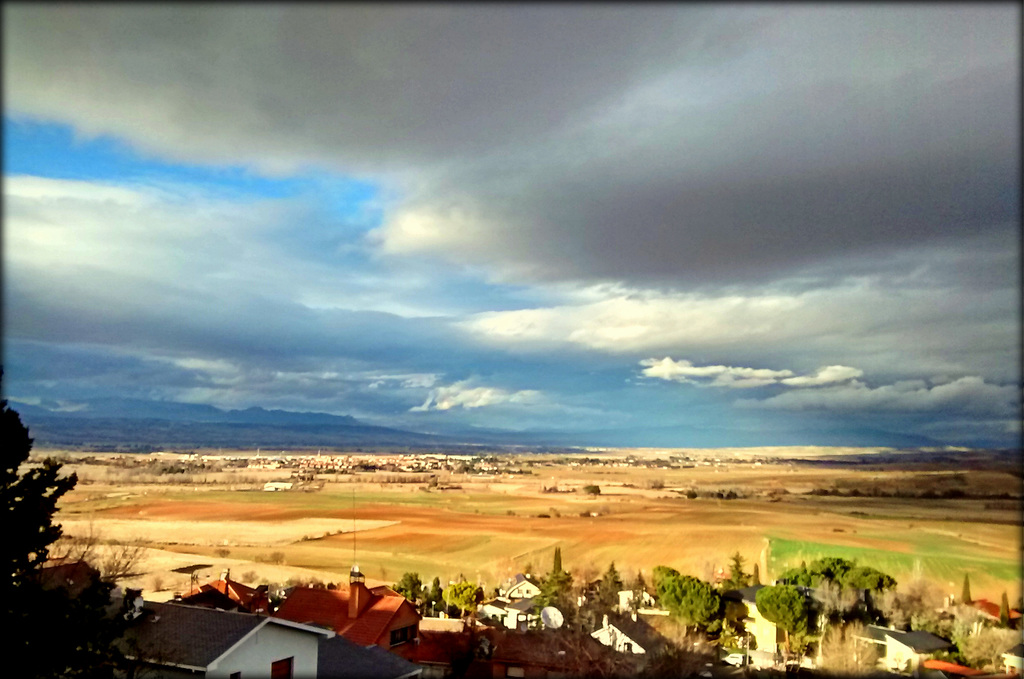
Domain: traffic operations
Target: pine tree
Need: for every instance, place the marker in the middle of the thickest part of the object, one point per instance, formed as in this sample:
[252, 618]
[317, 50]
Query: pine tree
[62, 636]
[965, 596]
[609, 587]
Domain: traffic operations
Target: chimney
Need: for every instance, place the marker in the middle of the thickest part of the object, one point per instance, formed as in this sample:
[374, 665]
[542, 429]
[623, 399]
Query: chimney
[633, 616]
[358, 594]
[224, 574]
[604, 620]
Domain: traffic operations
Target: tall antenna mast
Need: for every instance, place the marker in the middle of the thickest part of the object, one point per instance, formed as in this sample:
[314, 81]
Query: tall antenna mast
[353, 525]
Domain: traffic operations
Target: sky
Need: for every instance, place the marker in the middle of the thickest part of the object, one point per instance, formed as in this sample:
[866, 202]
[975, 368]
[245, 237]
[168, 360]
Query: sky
[688, 225]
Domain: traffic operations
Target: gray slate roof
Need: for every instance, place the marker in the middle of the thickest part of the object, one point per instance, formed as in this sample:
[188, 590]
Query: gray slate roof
[186, 635]
[522, 577]
[339, 658]
[919, 641]
[640, 631]
[523, 605]
[744, 594]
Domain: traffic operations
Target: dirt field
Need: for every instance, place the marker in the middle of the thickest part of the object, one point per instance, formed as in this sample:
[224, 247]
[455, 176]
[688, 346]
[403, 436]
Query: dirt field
[488, 529]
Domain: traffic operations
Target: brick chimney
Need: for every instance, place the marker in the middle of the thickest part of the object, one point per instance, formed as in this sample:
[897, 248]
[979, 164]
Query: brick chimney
[358, 594]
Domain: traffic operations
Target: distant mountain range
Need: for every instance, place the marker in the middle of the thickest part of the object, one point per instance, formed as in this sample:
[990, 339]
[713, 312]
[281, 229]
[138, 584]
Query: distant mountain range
[144, 425]
[134, 424]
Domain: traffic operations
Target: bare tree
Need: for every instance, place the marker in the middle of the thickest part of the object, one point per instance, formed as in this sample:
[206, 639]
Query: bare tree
[983, 649]
[114, 560]
[844, 653]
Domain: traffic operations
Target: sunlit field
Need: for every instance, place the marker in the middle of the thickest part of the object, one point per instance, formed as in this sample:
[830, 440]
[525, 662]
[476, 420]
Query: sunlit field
[487, 529]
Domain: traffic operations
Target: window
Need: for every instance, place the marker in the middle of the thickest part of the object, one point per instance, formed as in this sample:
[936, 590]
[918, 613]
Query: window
[282, 669]
[402, 635]
[515, 672]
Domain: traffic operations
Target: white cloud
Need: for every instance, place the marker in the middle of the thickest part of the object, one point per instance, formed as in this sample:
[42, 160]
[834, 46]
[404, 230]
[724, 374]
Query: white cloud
[464, 395]
[904, 332]
[826, 375]
[966, 394]
[724, 376]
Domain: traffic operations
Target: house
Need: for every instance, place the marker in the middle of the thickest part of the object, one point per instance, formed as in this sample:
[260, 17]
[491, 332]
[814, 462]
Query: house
[277, 486]
[176, 640]
[764, 635]
[1013, 660]
[629, 634]
[990, 610]
[545, 654]
[626, 600]
[172, 640]
[517, 615]
[495, 609]
[444, 644]
[520, 616]
[523, 586]
[229, 595]
[902, 651]
[377, 616]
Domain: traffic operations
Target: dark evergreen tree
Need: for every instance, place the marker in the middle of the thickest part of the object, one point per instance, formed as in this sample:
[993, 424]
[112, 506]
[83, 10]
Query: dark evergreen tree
[435, 597]
[691, 600]
[609, 587]
[755, 578]
[556, 590]
[1004, 611]
[965, 596]
[49, 630]
[787, 607]
[737, 578]
[411, 587]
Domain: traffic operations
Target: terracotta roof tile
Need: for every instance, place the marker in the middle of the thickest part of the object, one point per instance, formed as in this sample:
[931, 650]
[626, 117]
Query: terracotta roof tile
[330, 608]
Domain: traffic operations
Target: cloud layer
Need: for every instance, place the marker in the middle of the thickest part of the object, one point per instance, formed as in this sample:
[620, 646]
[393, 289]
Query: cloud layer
[553, 195]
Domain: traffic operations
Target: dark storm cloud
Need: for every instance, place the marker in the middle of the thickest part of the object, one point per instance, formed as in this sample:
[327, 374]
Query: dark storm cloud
[572, 142]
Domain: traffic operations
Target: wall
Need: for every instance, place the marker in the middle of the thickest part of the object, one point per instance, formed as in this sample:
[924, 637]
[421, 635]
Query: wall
[271, 642]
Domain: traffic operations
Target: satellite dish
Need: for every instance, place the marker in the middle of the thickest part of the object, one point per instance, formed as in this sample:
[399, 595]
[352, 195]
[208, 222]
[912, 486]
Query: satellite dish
[551, 617]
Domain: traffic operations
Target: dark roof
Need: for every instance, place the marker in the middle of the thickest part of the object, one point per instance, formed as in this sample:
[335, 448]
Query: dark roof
[186, 635]
[523, 605]
[521, 577]
[1017, 651]
[638, 630]
[919, 641]
[744, 594]
[339, 658]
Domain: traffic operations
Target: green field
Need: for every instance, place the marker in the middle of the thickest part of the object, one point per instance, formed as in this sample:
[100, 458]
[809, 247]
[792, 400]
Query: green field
[943, 559]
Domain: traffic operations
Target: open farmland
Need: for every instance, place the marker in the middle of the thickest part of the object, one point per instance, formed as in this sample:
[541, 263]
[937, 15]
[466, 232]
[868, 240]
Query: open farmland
[487, 527]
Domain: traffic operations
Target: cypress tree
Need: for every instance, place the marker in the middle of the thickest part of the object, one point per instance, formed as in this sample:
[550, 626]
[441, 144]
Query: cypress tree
[756, 577]
[965, 596]
[556, 567]
[1004, 611]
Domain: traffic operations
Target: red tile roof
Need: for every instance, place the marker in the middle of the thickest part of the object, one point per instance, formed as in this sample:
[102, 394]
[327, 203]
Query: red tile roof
[249, 598]
[950, 667]
[992, 609]
[329, 607]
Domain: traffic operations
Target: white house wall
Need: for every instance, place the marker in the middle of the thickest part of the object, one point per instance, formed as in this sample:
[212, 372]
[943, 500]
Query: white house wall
[270, 643]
